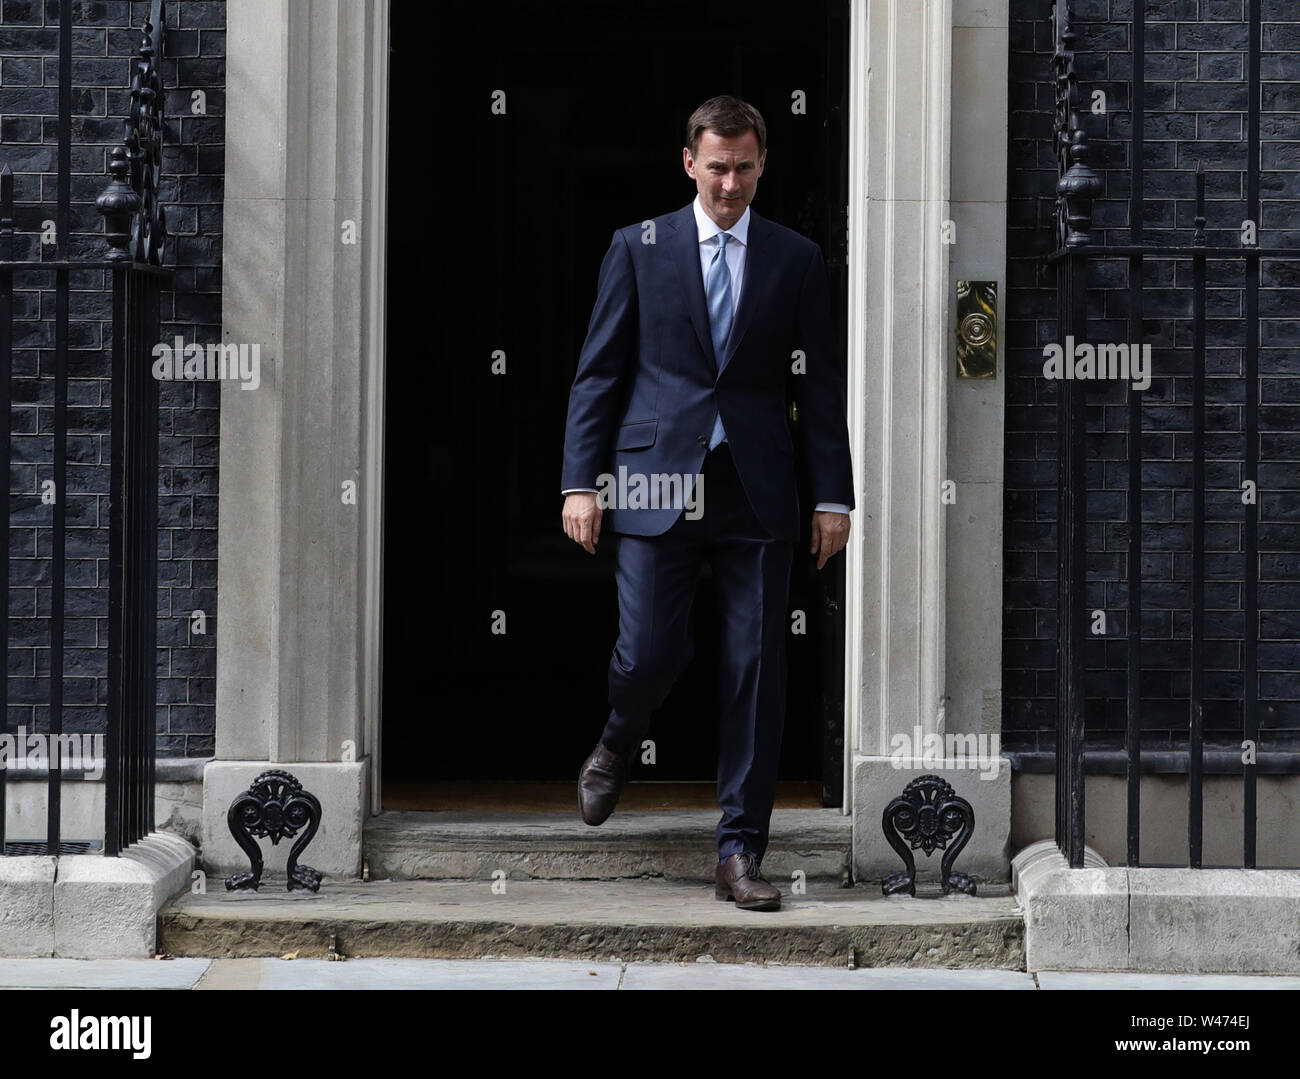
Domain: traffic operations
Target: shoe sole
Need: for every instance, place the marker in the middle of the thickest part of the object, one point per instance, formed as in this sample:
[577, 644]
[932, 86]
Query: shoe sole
[725, 895]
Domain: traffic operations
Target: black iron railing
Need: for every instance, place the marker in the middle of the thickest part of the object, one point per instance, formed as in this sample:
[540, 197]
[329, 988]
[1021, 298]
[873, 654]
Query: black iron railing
[1075, 250]
[129, 262]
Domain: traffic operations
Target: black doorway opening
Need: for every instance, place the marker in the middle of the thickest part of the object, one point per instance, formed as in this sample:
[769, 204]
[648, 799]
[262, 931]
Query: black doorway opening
[497, 226]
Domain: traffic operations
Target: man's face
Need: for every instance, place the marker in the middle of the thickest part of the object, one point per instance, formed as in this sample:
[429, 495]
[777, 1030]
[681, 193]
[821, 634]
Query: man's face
[726, 172]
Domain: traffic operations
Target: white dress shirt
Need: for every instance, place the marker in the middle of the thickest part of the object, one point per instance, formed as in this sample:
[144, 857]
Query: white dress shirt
[707, 231]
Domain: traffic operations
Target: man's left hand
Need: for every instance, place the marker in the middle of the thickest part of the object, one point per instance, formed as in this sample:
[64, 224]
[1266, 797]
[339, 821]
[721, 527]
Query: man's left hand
[830, 532]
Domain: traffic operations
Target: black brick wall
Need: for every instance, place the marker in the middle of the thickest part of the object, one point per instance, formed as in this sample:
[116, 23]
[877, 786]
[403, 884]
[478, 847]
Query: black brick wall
[106, 37]
[1196, 100]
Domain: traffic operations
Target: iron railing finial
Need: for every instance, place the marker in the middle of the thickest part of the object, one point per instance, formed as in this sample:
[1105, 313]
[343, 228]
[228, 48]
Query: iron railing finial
[141, 153]
[119, 204]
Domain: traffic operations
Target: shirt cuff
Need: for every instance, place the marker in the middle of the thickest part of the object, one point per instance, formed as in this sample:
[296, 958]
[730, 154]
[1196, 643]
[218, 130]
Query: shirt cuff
[575, 490]
[830, 507]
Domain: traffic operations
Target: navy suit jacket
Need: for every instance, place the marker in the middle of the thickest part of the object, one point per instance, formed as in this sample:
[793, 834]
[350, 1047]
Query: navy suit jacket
[648, 385]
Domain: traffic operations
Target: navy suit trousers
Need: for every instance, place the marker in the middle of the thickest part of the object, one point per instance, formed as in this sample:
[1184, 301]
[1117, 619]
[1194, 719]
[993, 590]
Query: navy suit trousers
[656, 578]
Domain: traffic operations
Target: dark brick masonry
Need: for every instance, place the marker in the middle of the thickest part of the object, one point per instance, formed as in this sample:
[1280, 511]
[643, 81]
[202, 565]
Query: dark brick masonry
[1196, 101]
[105, 38]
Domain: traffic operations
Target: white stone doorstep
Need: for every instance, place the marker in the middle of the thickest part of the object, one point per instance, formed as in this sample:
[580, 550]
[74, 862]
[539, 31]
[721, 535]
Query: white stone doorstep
[1188, 921]
[89, 906]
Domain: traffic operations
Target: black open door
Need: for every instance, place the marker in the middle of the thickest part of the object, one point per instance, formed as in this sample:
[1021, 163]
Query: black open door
[497, 225]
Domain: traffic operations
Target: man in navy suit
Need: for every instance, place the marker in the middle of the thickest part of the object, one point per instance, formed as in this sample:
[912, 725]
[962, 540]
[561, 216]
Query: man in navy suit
[677, 441]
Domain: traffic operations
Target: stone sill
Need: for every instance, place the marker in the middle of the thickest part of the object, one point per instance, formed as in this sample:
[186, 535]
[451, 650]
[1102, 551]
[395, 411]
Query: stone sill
[166, 770]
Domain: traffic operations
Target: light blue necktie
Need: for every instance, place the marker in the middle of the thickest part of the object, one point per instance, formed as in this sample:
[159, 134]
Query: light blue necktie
[717, 289]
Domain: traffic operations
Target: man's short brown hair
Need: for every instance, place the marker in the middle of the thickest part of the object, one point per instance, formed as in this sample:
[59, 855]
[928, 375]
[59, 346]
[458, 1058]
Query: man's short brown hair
[729, 117]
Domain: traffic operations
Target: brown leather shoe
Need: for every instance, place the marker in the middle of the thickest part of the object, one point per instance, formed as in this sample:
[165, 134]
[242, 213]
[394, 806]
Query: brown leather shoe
[738, 878]
[601, 782]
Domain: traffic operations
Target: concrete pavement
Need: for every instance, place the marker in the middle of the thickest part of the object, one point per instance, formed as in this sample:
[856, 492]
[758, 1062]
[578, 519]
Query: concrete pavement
[200, 973]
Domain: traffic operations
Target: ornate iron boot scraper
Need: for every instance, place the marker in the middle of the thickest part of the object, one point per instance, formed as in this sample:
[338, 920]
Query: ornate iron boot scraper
[274, 805]
[928, 814]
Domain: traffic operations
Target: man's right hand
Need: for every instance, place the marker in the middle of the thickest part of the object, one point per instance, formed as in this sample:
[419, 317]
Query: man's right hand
[581, 519]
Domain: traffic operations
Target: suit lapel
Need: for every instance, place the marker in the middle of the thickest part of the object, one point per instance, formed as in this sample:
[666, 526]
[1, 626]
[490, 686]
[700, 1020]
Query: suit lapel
[685, 248]
[752, 285]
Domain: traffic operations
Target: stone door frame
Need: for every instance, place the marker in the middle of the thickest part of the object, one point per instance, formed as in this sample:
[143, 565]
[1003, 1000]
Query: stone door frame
[300, 575]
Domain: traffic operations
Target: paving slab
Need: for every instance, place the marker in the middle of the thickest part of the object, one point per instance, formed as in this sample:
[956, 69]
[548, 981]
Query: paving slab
[1077, 979]
[622, 920]
[48, 973]
[498, 973]
[752, 976]
[410, 974]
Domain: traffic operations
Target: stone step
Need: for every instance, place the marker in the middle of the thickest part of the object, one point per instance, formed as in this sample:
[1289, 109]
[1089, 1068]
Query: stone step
[671, 844]
[593, 920]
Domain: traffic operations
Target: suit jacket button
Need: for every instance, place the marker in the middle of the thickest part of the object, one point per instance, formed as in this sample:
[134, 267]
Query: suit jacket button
[702, 441]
